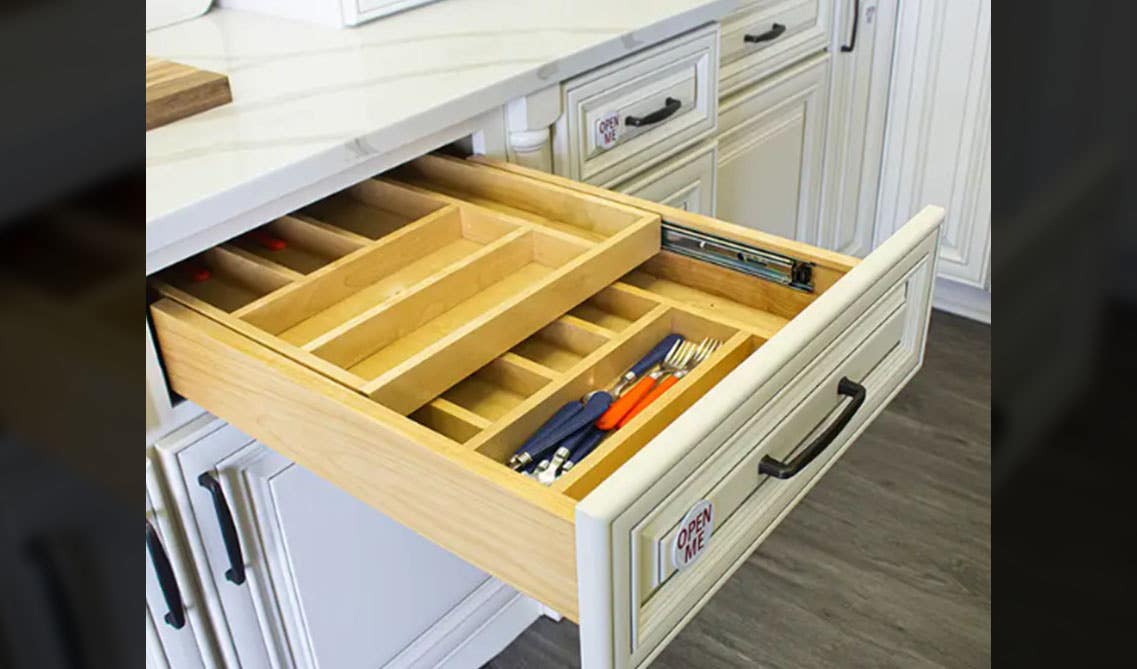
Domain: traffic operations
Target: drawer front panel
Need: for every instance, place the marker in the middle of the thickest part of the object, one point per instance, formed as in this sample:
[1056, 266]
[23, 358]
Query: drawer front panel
[805, 408]
[638, 111]
[869, 327]
[764, 37]
[686, 183]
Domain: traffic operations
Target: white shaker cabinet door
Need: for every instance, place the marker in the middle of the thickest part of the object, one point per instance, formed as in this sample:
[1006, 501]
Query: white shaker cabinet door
[771, 148]
[328, 581]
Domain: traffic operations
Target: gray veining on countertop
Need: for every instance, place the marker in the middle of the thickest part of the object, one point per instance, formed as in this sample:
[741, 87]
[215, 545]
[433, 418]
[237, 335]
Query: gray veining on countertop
[310, 102]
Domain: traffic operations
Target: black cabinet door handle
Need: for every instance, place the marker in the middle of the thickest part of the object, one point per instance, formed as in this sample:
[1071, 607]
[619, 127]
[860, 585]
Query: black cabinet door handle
[784, 470]
[856, 19]
[774, 32]
[670, 106]
[236, 571]
[175, 608]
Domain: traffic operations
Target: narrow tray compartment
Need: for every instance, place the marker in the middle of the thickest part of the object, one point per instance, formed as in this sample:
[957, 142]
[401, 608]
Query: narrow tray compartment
[600, 371]
[342, 291]
[553, 207]
[495, 389]
[372, 209]
[222, 279]
[563, 343]
[298, 243]
[613, 310]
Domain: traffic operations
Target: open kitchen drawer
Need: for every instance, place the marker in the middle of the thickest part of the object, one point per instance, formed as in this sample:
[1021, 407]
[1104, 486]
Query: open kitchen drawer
[402, 338]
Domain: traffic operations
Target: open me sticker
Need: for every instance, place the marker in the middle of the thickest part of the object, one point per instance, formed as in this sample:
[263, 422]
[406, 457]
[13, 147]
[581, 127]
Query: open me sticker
[607, 130]
[694, 534]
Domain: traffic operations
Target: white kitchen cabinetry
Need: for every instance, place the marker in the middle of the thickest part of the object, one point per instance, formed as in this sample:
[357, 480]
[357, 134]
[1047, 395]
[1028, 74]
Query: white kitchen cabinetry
[314, 577]
[638, 111]
[938, 141]
[771, 148]
[763, 36]
[177, 635]
[686, 182]
[860, 65]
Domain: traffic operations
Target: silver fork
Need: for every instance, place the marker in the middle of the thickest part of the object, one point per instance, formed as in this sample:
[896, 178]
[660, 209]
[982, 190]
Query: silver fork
[677, 369]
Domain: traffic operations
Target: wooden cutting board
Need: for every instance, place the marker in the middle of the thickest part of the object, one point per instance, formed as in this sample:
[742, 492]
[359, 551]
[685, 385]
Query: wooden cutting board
[175, 91]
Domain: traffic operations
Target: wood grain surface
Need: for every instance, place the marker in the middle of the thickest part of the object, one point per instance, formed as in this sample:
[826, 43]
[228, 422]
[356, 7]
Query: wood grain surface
[886, 563]
[175, 91]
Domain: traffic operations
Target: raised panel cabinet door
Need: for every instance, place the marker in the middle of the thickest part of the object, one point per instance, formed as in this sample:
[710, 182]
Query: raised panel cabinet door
[771, 152]
[938, 138]
[326, 581]
[854, 142]
[177, 633]
[352, 587]
[686, 182]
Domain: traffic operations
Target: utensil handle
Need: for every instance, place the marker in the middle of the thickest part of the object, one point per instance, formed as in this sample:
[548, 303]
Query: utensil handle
[563, 414]
[611, 418]
[658, 390]
[593, 409]
[586, 445]
[656, 355]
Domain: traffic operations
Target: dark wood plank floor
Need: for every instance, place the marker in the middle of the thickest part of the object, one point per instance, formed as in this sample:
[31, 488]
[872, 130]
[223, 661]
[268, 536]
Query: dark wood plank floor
[886, 563]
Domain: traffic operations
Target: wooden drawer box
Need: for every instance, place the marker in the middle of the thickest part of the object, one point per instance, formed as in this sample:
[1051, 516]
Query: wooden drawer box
[762, 37]
[432, 454]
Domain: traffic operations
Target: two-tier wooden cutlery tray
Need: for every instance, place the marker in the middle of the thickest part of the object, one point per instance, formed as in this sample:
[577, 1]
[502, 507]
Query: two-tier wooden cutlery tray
[403, 337]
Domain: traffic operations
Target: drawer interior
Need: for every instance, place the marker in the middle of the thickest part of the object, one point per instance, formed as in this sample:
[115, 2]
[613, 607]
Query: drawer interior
[388, 283]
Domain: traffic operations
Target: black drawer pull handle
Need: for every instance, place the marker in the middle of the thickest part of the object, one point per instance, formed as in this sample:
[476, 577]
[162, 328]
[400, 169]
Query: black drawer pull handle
[774, 32]
[236, 571]
[784, 470]
[856, 19]
[176, 610]
[670, 106]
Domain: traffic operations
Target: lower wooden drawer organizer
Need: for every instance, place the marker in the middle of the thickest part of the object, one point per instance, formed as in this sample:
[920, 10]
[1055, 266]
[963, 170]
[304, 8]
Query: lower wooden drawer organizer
[402, 338]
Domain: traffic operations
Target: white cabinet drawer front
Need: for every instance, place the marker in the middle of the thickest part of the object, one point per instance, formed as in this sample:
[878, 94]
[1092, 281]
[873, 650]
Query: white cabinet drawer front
[780, 430]
[872, 332]
[634, 113]
[686, 182]
[762, 38]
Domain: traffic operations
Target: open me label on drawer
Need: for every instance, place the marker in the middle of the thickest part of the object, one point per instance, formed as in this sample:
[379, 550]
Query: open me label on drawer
[607, 127]
[694, 534]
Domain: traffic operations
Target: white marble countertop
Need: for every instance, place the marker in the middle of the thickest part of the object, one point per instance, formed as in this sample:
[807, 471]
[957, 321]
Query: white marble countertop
[311, 102]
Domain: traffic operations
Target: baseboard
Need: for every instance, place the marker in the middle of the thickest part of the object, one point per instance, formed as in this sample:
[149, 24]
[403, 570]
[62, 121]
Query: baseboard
[962, 300]
[474, 632]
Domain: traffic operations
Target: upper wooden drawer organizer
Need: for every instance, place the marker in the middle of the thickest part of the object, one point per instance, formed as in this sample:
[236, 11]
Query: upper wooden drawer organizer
[400, 292]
